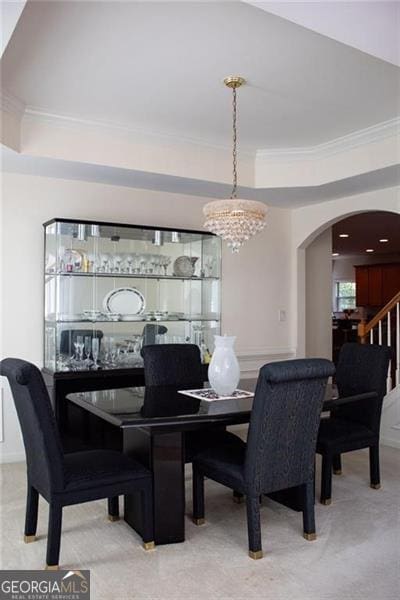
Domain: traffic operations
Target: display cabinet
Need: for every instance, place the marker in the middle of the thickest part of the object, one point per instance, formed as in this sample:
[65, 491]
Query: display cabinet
[110, 288]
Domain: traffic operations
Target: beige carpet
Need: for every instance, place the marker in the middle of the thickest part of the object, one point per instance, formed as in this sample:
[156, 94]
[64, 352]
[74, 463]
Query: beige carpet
[356, 555]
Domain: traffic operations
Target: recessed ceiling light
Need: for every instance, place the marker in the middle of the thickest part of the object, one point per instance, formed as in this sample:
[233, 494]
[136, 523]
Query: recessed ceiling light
[343, 235]
[384, 240]
[335, 253]
[369, 250]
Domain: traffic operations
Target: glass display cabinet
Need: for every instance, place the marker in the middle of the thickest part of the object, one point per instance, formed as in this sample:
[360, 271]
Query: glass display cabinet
[112, 288]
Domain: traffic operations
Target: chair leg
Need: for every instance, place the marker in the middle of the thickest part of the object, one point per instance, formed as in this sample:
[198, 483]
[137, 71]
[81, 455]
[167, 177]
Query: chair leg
[337, 464]
[148, 518]
[326, 480]
[374, 470]
[113, 508]
[31, 515]
[309, 512]
[238, 498]
[254, 526]
[54, 537]
[198, 497]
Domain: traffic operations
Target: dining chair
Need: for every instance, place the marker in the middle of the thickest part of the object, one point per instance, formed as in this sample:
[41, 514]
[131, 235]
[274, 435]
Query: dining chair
[280, 449]
[361, 368]
[179, 365]
[66, 479]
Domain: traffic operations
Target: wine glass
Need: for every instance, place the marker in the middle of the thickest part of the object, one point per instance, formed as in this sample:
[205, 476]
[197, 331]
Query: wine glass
[209, 264]
[105, 262]
[117, 263]
[166, 261]
[129, 260]
[79, 345]
[88, 347]
[95, 351]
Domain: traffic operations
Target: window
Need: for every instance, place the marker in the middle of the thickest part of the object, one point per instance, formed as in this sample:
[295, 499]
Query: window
[345, 295]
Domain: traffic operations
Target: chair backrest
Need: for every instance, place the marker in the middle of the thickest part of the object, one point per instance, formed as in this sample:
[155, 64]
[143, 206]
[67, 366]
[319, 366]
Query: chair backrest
[150, 331]
[362, 368]
[173, 364]
[284, 424]
[44, 454]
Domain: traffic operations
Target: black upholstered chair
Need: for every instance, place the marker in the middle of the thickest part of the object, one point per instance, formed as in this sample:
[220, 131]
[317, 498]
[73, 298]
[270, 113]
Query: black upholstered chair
[280, 449]
[362, 370]
[71, 478]
[180, 365]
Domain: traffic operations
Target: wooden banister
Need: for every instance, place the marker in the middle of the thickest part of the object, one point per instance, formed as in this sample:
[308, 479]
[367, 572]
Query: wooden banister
[365, 328]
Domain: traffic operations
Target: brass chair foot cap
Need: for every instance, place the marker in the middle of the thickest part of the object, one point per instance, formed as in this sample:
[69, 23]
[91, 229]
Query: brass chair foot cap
[52, 567]
[113, 518]
[238, 499]
[29, 538]
[199, 521]
[327, 501]
[149, 546]
[376, 486]
[337, 471]
[310, 537]
[256, 555]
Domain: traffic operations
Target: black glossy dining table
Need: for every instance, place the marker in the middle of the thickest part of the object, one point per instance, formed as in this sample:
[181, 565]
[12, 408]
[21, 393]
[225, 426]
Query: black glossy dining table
[150, 423]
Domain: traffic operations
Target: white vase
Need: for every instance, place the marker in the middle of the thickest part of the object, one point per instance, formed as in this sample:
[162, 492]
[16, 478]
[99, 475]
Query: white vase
[224, 372]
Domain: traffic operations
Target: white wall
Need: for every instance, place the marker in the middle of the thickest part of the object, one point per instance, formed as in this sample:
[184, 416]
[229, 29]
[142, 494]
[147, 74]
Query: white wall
[255, 283]
[318, 296]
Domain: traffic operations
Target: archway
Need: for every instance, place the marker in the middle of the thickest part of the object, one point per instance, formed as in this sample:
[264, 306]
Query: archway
[308, 223]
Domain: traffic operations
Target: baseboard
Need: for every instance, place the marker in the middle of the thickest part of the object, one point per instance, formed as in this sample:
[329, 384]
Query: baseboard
[392, 443]
[11, 457]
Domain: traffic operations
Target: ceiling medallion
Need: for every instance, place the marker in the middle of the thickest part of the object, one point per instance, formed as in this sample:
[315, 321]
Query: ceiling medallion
[235, 220]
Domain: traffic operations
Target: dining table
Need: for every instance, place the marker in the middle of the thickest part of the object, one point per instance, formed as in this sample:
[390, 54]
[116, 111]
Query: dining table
[150, 423]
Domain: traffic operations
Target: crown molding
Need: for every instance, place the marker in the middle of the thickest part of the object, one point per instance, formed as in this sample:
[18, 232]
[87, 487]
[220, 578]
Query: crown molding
[11, 104]
[381, 131]
[362, 137]
[71, 122]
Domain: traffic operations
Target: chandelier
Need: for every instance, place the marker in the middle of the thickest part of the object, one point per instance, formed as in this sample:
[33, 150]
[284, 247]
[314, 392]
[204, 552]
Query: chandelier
[235, 220]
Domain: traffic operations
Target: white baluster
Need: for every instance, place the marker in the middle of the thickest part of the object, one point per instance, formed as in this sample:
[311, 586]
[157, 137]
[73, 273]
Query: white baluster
[389, 340]
[398, 343]
[380, 333]
[371, 336]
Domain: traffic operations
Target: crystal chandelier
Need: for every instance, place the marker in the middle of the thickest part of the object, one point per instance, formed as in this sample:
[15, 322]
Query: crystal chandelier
[235, 220]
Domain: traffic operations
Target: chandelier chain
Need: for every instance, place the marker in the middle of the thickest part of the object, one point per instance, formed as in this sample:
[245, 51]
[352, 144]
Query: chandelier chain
[234, 147]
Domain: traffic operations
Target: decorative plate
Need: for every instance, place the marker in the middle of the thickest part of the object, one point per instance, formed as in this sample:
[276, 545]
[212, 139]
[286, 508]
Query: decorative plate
[184, 266]
[124, 301]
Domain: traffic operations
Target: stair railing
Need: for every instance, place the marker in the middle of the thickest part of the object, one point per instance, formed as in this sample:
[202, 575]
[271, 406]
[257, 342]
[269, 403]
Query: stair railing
[372, 333]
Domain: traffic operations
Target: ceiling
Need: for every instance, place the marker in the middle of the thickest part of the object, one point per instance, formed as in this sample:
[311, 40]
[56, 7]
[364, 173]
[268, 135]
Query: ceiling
[365, 230]
[372, 27]
[158, 67]
[283, 197]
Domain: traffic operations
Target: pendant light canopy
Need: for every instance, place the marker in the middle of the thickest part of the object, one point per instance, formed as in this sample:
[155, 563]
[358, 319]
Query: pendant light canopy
[235, 220]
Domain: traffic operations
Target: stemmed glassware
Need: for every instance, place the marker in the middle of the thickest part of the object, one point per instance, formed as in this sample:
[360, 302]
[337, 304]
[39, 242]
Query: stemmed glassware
[95, 351]
[88, 347]
[105, 263]
[79, 345]
[166, 260]
[209, 265]
[117, 264]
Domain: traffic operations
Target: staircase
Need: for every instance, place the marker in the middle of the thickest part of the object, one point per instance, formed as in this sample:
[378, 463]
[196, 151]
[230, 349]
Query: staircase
[384, 328]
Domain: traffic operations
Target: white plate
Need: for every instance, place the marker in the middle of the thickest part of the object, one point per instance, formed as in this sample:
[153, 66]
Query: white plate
[125, 301]
[132, 317]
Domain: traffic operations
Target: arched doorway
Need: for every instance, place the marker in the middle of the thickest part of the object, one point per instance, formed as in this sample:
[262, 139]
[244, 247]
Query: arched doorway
[310, 222]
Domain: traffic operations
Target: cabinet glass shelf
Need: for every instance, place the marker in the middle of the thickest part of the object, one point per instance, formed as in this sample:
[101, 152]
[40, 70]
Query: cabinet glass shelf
[132, 276]
[111, 288]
